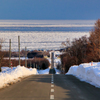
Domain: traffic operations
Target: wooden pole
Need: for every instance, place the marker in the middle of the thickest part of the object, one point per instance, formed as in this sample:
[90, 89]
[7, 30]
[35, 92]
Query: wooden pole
[9, 52]
[19, 48]
[25, 57]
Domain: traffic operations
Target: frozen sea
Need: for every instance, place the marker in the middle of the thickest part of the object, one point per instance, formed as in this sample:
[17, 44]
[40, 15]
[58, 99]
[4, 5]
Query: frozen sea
[42, 34]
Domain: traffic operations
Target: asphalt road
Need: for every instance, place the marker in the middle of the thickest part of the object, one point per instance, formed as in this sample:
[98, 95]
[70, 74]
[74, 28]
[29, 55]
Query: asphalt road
[50, 87]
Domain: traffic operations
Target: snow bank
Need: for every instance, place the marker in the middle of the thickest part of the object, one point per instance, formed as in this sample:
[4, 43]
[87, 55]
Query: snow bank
[57, 71]
[46, 71]
[8, 75]
[87, 72]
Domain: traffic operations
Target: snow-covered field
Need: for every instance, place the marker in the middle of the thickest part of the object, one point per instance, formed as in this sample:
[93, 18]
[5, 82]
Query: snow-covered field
[89, 72]
[38, 40]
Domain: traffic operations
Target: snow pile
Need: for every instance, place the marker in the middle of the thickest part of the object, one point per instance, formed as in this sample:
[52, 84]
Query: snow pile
[9, 76]
[46, 71]
[57, 71]
[87, 72]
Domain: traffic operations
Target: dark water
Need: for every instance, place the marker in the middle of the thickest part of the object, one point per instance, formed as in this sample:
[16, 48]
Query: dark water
[64, 29]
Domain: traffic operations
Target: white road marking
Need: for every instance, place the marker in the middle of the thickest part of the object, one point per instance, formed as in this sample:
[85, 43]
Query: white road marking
[52, 90]
[52, 85]
[51, 96]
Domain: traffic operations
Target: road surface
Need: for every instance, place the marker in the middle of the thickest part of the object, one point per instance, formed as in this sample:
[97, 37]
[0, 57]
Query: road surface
[50, 87]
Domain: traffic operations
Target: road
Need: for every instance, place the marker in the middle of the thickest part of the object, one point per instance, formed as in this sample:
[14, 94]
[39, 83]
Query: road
[50, 87]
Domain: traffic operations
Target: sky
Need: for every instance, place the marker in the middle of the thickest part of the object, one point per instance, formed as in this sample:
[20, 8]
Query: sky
[50, 9]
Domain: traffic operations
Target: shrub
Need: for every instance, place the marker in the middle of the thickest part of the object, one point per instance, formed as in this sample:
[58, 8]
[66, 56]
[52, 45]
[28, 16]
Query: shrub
[94, 42]
[42, 63]
[68, 61]
[83, 50]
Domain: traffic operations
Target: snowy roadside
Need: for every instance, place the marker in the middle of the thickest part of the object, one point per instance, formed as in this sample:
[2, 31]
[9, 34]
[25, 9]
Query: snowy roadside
[87, 72]
[9, 76]
[46, 71]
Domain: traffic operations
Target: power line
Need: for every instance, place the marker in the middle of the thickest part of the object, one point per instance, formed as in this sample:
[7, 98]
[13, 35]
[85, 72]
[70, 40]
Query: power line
[39, 42]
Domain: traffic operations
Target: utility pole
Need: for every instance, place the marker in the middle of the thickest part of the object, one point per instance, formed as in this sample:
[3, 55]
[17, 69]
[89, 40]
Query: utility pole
[52, 60]
[19, 48]
[25, 57]
[9, 52]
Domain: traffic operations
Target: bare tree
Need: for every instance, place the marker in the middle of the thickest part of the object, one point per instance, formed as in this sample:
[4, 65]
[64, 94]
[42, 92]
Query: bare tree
[94, 40]
[1, 41]
[66, 44]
